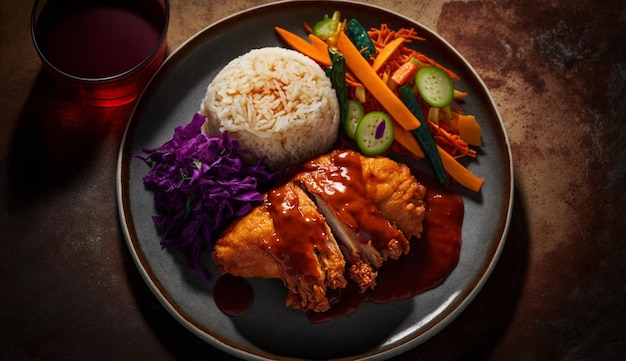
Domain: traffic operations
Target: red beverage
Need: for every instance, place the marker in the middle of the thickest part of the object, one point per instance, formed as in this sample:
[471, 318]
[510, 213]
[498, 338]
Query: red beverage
[105, 51]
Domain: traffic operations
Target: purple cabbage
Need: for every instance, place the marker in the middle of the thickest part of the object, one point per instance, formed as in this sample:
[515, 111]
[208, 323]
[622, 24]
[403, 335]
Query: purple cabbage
[202, 183]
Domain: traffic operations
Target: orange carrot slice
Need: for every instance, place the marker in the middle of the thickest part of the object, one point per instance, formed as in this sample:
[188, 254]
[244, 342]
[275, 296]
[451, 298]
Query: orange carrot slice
[386, 53]
[318, 43]
[303, 46]
[408, 142]
[459, 173]
[469, 130]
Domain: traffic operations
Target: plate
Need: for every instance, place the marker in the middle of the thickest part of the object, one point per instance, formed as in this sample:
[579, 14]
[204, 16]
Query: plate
[269, 330]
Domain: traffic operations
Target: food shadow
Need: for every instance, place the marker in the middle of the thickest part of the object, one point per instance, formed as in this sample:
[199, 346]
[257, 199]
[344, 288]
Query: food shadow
[287, 332]
[57, 139]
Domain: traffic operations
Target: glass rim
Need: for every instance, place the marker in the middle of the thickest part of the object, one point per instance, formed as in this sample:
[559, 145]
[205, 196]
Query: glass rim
[135, 68]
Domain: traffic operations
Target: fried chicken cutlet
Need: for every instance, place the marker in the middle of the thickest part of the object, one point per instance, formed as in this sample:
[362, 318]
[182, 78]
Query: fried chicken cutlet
[397, 194]
[374, 218]
[341, 213]
[285, 238]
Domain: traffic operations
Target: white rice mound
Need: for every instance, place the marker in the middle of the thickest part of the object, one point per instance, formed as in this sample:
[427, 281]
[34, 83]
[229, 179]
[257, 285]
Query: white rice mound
[277, 103]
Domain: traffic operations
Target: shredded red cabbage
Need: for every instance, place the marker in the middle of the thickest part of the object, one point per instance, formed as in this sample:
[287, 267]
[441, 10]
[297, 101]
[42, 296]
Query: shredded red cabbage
[202, 183]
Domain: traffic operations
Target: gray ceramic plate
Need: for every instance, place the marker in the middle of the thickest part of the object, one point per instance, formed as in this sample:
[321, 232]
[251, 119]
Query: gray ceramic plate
[271, 330]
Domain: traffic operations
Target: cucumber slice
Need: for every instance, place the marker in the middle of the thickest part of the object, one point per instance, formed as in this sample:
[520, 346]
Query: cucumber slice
[354, 113]
[325, 28]
[374, 133]
[434, 86]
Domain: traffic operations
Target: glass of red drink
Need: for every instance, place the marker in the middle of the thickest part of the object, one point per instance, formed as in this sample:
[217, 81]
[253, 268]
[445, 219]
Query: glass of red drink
[101, 52]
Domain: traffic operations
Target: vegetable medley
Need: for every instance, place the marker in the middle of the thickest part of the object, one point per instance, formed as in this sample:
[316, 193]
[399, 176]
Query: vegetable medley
[392, 96]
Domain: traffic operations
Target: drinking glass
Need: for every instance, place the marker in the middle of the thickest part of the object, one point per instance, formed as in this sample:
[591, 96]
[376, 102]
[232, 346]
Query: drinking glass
[101, 52]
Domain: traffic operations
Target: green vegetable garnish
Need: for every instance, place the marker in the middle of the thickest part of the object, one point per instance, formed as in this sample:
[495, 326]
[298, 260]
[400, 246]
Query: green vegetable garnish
[327, 27]
[361, 39]
[434, 86]
[337, 74]
[354, 113]
[374, 133]
[422, 134]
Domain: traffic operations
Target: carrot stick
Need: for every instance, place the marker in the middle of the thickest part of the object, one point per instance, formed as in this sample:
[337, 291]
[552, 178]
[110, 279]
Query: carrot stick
[364, 72]
[402, 74]
[408, 141]
[454, 169]
[459, 173]
[303, 46]
[386, 53]
[318, 43]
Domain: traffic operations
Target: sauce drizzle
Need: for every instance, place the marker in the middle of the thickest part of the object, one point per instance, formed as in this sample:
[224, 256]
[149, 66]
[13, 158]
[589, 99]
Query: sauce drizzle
[430, 261]
[297, 236]
[342, 187]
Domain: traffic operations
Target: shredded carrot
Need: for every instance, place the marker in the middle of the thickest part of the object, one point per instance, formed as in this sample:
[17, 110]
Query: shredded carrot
[385, 36]
[351, 80]
[308, 28]
[452, 143]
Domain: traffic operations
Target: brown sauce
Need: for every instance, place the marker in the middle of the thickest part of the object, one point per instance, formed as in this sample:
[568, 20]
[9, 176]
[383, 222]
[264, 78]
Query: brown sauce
[429, 262]
[296, 238]
[233, 295]
[432, 257]
[342, 187]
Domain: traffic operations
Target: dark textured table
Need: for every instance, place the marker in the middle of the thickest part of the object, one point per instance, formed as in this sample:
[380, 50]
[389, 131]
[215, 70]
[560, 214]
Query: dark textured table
[557, 70]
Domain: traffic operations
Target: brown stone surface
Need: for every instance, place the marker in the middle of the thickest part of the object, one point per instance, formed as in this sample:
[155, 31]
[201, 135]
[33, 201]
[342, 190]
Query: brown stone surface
[557, 70]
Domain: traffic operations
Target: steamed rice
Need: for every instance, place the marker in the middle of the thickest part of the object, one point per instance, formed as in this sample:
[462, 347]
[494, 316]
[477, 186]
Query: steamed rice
[277, 103]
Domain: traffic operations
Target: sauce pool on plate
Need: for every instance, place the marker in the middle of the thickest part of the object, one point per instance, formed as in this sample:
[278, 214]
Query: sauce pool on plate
[233, 295]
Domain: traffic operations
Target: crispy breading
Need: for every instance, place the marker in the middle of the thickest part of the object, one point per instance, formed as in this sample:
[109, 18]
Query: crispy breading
[398, 195]
[250, 247]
